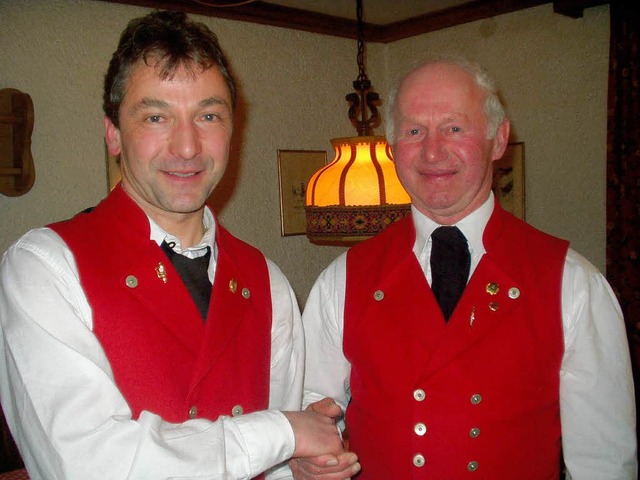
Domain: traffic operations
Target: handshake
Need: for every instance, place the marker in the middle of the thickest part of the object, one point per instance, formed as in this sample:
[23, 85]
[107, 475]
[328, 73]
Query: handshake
[319, 448]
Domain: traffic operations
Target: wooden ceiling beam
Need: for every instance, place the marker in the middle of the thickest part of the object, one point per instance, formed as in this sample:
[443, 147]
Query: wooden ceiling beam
[450, 17]
[262, 13]
[266, 13]
[575, 8]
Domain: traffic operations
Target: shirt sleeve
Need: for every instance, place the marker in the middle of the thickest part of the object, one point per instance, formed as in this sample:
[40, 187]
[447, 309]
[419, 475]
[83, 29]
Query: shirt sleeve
[596, 385]
[287, 356]
[327, 370]
[65, 411]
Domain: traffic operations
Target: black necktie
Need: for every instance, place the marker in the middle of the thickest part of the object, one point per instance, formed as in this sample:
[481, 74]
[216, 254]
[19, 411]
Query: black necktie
[193, 272]
[450, 263]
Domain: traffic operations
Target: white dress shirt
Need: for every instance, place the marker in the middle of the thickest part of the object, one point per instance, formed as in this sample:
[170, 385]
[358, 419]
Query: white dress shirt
[597, 403]
[67, 414]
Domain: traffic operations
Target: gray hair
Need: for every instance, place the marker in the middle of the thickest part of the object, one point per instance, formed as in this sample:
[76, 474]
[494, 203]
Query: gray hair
[493, 108]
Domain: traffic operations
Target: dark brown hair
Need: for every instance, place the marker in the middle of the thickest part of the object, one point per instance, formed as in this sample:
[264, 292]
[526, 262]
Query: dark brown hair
[170, 41]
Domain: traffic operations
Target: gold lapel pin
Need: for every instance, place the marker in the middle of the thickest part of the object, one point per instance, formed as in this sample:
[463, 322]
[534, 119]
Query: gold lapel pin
[493, 288]
[161, 272]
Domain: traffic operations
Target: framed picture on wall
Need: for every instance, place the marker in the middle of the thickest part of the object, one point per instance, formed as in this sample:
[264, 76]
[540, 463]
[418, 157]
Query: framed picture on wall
[508, 180]
[295, 169]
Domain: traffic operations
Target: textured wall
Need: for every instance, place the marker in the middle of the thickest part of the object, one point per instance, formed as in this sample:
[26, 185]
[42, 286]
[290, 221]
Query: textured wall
[552, 70]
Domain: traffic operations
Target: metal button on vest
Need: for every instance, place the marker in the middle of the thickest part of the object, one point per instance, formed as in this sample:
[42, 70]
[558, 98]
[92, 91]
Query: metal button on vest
[514, 293]
[476, 398]
[131, 281]
[420, 429]
[246, 293]
[233, 285]
[237, 411]
[493, 306]
[418, 460]
[474, 432]
[378, 295]
[193, 412]
[419, 394]
[472, 466]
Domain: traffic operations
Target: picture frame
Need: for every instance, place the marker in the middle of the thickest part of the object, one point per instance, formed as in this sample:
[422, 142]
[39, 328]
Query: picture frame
[295, 169]
[508, 180]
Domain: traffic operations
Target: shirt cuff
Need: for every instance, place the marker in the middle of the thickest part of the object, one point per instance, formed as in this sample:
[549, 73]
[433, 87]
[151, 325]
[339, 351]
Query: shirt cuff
[268, 437]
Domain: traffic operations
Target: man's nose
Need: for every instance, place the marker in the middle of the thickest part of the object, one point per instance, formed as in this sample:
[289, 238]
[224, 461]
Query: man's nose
[433, 147]
[185, 140]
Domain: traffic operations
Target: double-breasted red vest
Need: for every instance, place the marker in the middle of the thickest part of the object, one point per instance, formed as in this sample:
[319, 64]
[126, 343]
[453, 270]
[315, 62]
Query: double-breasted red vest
[477, 397]
[164, 358]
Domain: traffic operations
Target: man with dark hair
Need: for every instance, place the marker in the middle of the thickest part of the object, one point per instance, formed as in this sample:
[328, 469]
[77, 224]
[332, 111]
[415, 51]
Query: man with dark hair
[141, 339]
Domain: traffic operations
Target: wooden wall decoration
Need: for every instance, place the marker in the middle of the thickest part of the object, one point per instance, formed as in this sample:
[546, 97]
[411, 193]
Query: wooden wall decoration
[17, 172]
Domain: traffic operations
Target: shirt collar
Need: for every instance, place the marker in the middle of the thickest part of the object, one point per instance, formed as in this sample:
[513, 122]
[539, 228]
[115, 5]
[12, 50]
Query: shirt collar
[472, 226]
[159, 235]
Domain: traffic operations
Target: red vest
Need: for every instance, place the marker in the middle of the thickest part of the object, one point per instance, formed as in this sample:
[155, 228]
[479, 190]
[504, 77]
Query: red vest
[164, 358]
[475, 398]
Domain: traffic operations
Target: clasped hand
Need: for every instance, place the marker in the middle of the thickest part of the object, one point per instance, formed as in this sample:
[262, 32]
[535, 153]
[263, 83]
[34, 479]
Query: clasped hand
[319, 452]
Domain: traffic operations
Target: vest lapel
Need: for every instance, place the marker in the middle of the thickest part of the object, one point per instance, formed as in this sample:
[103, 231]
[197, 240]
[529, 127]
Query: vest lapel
[138, 260]
[229, 306]
[162, 299]
[487, 303]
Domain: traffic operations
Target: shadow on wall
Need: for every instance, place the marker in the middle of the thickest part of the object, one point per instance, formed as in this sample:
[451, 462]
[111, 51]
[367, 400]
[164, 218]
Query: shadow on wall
[225, 189]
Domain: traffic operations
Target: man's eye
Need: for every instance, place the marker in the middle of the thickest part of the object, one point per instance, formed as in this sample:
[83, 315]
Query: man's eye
[210, 117]
[154, 118]
[456, 129]
[413, 132]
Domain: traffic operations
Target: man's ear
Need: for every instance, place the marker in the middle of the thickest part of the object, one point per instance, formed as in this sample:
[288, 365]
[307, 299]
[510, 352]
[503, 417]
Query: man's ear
[501, 140]
[112, 137]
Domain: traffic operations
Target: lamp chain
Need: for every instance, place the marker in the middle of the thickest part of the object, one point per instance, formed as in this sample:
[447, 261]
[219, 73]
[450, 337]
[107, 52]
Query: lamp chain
[364, 97]
[362, 75]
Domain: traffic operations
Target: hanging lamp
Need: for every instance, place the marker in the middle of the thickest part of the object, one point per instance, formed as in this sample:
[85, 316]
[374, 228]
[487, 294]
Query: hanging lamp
[358, 194]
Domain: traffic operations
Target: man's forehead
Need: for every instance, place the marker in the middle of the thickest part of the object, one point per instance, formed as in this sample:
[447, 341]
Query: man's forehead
[439, 87]
[183, 73]
[438, 75]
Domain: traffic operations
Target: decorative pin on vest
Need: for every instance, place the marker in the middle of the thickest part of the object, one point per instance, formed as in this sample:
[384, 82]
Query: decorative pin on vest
[161, 272]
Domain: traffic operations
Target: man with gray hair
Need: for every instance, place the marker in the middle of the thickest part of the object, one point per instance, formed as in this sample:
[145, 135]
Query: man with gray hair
[462, 341]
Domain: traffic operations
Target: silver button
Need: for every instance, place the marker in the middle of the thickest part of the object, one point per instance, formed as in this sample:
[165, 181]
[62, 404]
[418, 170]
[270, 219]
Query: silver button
[419, 394]
[476, 398]
[514, 293]
[237, 410]
[418, 460]
[474, 432]
[246, 293]
[131, 281]
[193, 412]
[472, 466]
[420, 429]
[378, 295]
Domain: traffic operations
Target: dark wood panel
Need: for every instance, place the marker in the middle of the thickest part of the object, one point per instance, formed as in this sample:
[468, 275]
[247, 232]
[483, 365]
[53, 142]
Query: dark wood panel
[262, 13]
[286, 17]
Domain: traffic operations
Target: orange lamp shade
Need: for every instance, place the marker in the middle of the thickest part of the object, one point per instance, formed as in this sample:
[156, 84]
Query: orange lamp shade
[358, 194]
